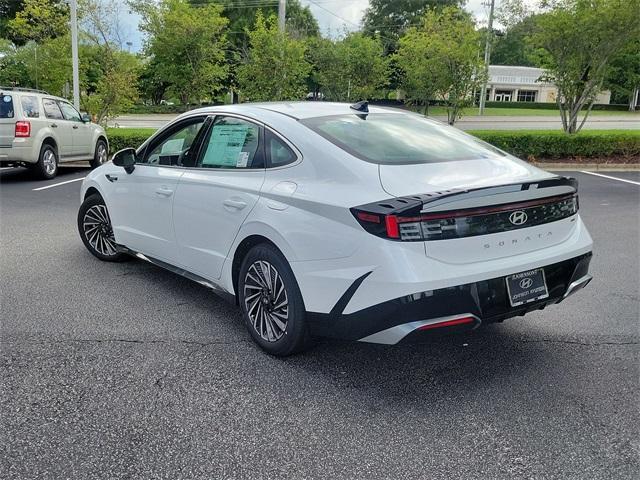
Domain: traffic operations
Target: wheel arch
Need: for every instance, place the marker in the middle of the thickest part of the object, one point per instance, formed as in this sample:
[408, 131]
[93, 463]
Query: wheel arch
[241, 251]
[48, 140]
[102, 136]
[91, 191]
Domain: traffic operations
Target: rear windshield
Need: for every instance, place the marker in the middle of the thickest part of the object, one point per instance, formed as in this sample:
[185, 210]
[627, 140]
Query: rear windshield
[6, 106]
[396, 138]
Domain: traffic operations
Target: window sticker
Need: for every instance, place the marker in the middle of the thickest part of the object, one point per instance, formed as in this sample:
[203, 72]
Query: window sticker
[225, 146]
[243, 158]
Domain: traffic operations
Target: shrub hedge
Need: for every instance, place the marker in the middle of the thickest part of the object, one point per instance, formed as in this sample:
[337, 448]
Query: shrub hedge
[526, 144]
[120, 138]
[535, 145]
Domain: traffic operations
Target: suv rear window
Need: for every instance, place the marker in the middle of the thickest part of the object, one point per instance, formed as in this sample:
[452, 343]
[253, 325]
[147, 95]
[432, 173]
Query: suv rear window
[30, 107]
[396, 138]
[6, 106]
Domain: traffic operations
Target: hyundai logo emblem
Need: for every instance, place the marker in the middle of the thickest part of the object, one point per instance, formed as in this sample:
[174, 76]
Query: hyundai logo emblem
[526, 283]
[518, 218]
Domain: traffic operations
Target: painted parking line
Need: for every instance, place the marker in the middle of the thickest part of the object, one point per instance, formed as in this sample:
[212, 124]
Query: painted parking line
[611, 178]
[58, 184]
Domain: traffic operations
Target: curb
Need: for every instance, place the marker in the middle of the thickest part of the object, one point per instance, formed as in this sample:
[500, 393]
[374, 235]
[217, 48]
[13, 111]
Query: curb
[590, 167]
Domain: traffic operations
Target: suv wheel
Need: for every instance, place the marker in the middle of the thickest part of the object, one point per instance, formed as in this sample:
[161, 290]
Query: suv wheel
[47, 166]
[271, 302]
[94, 225]
[100, 155]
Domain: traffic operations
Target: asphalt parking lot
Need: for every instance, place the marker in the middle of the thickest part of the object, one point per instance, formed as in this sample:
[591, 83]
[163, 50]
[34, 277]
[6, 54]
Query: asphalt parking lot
[129, 371]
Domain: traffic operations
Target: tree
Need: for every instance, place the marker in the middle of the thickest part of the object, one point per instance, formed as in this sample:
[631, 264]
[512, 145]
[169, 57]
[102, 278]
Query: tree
[8, 10]
[276, 67]
[577, 40]
[13, 70]
[188, 45]
[39, 20]
[353, 68]
[441, 57]
[513, 47]
[623, 78]
[389, 19]
[111, 74]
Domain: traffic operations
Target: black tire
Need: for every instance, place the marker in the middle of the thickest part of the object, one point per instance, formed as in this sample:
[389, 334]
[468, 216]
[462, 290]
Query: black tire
[100, 154]
[294, 337]
[94, 226]
[47, 166]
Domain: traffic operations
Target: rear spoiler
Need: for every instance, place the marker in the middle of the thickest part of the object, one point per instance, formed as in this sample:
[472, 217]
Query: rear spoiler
[458, 199]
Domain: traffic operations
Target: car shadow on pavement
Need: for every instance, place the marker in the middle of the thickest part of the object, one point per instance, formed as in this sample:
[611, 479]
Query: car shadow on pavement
[20, 174]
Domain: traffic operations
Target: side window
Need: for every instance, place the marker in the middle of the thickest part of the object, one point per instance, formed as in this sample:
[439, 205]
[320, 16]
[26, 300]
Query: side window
[6, 106]
[30, 107]
[278, 152]
[51, 109]
[69, 112]
[232, 143]
[175, 148]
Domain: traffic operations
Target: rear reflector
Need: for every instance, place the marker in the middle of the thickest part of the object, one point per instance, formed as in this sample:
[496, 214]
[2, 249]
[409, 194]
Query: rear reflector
[23, 129]
[449, 323]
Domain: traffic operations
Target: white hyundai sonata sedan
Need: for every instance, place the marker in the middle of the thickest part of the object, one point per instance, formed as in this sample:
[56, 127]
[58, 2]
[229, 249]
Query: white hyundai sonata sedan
[346, 221]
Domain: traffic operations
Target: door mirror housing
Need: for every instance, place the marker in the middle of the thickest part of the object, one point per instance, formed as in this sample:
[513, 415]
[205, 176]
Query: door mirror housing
[86, 118]
[125, 158]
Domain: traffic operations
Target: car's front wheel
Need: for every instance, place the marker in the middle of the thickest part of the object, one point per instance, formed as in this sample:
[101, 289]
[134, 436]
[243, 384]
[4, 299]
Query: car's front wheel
[101, 154]
[94, 225]
[271, 302]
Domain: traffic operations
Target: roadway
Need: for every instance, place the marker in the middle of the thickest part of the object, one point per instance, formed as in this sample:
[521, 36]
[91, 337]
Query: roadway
[129, 371]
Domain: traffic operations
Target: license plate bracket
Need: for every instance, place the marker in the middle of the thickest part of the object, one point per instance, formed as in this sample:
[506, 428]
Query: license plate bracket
[526, 287]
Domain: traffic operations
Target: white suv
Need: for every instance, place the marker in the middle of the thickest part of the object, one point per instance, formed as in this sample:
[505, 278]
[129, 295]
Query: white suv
[354, 222]
[39, 131]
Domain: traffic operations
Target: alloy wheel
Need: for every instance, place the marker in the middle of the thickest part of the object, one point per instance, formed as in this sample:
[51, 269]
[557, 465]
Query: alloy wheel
[101, 153]
[265, 299]
[97, 229]
[49, 162]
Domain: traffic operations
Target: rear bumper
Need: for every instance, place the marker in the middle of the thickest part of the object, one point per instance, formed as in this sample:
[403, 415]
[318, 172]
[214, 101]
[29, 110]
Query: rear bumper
[484, 302]
[18, 153]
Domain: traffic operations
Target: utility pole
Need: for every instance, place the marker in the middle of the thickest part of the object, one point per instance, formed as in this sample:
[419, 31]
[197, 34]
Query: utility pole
[487, 57]
[282, 14]
[74, 53]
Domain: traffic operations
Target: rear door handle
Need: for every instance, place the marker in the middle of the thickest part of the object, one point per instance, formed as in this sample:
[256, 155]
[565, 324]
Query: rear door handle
[54, 125]
[111, 178]
[164, 192]
[75, 127]
[235, 204]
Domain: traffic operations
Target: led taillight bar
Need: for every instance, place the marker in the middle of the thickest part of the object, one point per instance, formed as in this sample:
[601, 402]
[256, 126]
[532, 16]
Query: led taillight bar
[23, 129]
[465, 222]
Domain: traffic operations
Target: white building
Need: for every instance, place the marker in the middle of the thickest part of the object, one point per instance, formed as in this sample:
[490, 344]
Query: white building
[521, 84]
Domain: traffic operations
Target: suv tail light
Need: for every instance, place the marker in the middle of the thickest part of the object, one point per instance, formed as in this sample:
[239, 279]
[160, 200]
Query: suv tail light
[23, 129]
[412, 225]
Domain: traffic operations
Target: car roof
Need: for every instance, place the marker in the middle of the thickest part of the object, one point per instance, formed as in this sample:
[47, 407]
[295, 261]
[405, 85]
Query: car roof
[298, 110]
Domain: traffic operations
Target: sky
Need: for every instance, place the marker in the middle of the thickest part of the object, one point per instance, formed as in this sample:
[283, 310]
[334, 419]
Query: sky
[334, 16]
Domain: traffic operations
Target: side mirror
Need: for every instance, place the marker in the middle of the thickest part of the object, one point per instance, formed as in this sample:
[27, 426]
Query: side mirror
[125, 158]
[85, 117]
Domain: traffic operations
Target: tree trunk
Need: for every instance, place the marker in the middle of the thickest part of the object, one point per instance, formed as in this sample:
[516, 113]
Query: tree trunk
[633, 98]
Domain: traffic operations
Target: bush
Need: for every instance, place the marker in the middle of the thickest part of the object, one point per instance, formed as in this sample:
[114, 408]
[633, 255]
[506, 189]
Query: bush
[120, 138]
[532, 145]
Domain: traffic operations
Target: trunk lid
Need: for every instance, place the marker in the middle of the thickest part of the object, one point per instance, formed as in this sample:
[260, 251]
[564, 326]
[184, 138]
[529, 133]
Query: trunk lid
[401, 180]
[463, 210]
